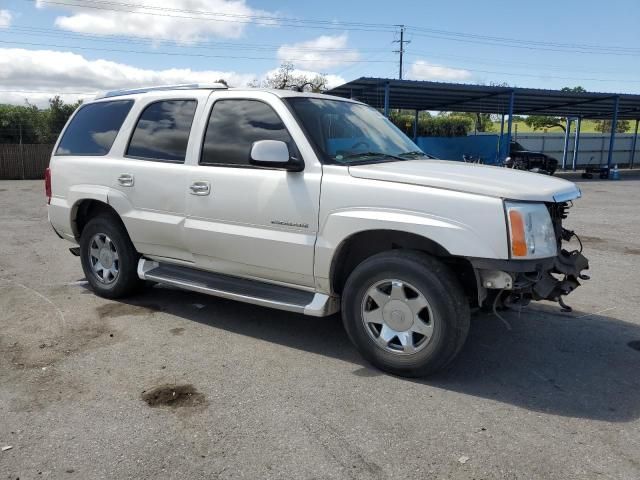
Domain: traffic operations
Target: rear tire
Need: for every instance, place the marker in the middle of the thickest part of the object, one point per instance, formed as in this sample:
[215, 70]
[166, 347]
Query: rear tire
[405, 312]
[109, 259]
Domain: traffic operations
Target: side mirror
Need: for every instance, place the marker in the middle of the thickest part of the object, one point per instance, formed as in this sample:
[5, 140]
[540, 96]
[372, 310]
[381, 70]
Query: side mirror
[273, 154]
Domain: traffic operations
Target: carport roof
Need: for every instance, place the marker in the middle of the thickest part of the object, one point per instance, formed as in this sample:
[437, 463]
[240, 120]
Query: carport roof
[457, 97]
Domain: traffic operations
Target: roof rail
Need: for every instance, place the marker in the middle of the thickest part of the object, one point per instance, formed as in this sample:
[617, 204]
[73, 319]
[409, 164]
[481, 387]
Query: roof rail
[185, 86]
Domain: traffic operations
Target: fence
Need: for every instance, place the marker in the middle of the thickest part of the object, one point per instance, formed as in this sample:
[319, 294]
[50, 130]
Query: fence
[26, 162]
[593, 148]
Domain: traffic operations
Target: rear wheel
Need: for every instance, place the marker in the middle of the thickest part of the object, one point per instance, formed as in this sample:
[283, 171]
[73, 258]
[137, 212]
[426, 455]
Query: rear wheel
[406, 312]
[109, 259]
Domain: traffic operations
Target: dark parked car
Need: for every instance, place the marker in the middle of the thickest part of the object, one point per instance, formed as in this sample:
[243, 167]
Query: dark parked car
[522, 159]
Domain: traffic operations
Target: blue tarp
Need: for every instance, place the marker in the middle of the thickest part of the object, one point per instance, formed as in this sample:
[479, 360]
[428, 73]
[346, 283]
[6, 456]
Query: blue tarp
[453, 148]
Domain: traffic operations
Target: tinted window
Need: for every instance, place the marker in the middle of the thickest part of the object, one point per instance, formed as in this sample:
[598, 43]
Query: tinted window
[346, 132]
[94, 128]
[162, 132]
[233, 127]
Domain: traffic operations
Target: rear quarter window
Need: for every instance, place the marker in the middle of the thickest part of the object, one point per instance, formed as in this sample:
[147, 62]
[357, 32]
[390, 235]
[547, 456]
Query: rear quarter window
[94, 128]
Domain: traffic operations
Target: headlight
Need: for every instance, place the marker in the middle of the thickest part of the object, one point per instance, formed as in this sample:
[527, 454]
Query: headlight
[531, 232]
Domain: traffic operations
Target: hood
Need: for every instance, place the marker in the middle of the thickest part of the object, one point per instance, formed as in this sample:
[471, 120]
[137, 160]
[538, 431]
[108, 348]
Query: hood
[471, 178]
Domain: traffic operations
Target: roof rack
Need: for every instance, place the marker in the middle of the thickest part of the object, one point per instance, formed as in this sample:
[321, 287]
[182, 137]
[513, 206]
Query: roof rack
[186, 86]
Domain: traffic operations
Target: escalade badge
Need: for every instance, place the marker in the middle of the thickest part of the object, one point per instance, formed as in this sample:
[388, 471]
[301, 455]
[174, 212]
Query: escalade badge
[290, 224]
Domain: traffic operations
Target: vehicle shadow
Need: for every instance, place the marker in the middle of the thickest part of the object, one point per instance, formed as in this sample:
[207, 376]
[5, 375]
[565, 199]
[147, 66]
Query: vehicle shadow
[574, 365]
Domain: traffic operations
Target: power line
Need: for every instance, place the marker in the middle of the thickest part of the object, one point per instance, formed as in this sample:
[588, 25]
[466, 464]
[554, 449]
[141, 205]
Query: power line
[267, 20]
[583, 46]
[180, 54]
[522, 45]
[226, 17]
[18, 29]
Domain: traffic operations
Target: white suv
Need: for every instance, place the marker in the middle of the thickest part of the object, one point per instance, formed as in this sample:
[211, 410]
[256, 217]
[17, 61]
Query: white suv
[307, 203]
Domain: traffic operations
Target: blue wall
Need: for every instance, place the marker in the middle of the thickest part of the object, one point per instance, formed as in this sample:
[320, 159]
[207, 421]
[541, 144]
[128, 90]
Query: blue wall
[452, 148]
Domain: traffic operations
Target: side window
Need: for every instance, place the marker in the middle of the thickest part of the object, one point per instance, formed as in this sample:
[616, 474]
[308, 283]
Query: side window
[162, 132]
[233, 127]
[94, 128]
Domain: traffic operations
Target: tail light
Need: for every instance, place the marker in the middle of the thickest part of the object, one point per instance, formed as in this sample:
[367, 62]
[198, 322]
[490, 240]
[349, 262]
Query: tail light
[47, 184]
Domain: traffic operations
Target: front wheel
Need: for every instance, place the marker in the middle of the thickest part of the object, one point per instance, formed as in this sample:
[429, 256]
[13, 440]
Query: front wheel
[405, 312]
[109, 259]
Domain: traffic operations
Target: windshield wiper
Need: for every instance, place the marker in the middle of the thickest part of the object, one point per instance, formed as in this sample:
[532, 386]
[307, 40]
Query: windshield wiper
[371, 154]
[415, 153]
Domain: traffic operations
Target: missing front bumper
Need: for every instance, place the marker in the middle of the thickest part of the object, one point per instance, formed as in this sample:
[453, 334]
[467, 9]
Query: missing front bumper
[516, 283]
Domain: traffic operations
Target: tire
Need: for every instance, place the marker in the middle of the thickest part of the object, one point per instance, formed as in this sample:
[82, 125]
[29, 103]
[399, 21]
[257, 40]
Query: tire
[439, 329]
[119, 277]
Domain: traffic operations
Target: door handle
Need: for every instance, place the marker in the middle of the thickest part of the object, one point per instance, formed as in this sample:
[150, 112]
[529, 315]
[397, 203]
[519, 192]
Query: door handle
[125, 180]
[200, 188]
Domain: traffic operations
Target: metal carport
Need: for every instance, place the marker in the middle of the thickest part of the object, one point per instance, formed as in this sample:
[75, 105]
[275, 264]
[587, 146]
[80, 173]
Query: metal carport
[385, 94]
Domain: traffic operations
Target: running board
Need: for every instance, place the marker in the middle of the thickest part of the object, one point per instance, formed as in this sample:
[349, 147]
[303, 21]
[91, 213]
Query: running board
[234, 288]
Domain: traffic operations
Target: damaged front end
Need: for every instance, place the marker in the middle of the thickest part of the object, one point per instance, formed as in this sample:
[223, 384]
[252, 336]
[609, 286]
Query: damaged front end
[517, 284]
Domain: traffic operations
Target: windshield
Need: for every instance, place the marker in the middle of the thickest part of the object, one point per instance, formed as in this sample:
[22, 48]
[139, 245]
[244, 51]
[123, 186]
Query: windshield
[349, 133]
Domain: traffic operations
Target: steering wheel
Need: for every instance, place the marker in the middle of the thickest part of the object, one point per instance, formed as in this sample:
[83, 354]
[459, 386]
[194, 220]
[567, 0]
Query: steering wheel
[363, 144]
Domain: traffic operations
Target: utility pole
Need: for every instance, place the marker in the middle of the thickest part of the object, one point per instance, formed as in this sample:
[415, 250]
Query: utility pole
[402, 42]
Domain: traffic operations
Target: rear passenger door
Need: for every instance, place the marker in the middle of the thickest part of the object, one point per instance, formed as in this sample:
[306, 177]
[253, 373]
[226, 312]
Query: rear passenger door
[244, 220]
[150, 175]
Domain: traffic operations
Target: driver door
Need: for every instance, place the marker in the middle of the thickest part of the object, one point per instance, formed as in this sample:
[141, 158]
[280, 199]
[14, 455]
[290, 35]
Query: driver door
[244, 220]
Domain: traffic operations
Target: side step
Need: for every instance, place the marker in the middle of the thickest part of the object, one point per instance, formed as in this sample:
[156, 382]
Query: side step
[234, 288]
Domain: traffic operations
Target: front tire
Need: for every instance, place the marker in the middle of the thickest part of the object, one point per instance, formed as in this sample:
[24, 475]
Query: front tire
[405, 312]
[109, 259]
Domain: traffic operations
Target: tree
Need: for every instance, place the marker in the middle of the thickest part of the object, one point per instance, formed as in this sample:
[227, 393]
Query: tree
[577, 89]
[286, 77]
[480, 122]
[28, 124]
[538, 122]
[57, 115]
[604, 126]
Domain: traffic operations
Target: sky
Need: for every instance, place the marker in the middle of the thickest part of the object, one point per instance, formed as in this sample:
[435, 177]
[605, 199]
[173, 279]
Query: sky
[77, 48]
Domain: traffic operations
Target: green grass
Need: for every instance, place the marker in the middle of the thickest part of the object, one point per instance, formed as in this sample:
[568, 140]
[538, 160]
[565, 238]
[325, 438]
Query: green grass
[588, 126]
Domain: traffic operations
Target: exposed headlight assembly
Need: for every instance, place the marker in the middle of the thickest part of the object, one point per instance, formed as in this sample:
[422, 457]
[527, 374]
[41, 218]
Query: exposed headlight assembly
[531, 233]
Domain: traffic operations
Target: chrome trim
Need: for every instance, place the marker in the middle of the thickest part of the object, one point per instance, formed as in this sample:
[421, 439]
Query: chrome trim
[320, 306]
[565, 197]
[160, 88]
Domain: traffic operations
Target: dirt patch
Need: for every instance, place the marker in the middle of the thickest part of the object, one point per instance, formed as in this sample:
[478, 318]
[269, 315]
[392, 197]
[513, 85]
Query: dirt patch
[174, 396]
[592, 240]
[37, 352]
[177, 331]
[114, 310]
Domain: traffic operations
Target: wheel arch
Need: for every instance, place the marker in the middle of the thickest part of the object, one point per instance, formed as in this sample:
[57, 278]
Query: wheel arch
[85, 209]
[359, 246]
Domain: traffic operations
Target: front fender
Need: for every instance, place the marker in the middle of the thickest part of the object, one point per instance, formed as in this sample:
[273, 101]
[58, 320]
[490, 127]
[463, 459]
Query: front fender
[457, 238]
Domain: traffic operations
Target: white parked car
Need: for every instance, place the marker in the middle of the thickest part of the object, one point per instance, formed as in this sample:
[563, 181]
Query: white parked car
[306, 203]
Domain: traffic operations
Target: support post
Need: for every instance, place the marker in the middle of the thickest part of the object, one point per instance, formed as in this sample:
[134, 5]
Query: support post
[633, 145]
[614, 126]
[415, 126]
[567, 134]
[386, 99]
[509, 125]
[500, 143]
[576, 145]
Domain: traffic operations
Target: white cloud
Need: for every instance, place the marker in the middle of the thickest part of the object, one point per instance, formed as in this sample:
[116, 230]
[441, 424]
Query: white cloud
[40, 74]
[320, 53]
[424, 70]
[181, 22]
[5, 18]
